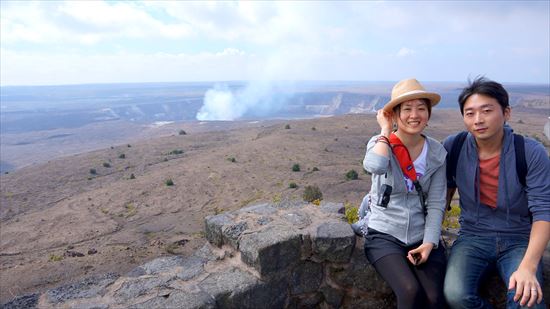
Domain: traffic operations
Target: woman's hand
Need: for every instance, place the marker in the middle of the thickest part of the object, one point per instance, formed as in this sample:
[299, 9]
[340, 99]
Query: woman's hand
[385, 121]
[420, 255]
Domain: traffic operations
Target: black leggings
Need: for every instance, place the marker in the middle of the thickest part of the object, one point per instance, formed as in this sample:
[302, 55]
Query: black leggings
[414, 286]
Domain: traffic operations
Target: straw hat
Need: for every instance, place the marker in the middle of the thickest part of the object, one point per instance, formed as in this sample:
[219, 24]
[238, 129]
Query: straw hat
[409, 89]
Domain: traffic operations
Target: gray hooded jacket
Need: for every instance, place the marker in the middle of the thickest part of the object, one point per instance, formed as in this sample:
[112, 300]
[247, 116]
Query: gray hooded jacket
[404, 216]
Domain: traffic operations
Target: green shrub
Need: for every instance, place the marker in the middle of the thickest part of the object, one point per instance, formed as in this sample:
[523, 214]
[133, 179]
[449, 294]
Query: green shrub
[451, 218]
[129, 145]
[175, 152]
[171, 248]
[296, 167]
[351, 175]
[182, 132]
[132, 176]
[93, 171]
[122, 156]
[292, 185]
[312, 193]
[169, 182]
[106, 164]
[232, 159]
[315, 169]
[537, 138]
[287, 127]
[55, 257]
[351, 213]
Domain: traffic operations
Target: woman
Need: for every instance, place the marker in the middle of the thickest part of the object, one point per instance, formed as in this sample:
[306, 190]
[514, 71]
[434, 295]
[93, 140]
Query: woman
[406, 202]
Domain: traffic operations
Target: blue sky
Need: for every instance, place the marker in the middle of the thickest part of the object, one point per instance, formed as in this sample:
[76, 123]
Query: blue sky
[73, 42]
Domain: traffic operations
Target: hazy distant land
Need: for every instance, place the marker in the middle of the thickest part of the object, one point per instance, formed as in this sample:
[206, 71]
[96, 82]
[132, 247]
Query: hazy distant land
[40, 123]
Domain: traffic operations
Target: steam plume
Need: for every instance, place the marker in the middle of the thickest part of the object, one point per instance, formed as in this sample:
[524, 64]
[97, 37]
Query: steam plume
[257, 98]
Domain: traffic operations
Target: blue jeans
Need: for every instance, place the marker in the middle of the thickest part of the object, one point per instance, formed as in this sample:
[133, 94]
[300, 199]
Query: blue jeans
[471, 257]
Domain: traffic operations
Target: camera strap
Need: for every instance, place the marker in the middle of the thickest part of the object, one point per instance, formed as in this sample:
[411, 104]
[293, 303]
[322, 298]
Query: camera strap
[403, 156]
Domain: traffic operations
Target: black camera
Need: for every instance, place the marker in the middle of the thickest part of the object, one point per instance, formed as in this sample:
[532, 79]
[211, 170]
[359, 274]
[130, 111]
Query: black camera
[384, 198]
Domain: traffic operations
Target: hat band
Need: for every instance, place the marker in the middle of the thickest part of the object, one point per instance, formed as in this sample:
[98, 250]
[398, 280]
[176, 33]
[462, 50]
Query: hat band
[410, 93]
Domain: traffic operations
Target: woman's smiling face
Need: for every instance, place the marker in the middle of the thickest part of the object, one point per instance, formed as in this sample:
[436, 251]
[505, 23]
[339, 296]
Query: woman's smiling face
[412, 116]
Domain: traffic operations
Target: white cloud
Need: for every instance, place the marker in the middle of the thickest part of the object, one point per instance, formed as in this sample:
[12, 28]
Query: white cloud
[231, 51]
[83, 22]
[222, 40]
[72, 68]
[404, 52]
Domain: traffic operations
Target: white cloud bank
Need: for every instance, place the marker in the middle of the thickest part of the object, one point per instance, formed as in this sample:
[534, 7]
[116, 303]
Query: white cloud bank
[46, 42]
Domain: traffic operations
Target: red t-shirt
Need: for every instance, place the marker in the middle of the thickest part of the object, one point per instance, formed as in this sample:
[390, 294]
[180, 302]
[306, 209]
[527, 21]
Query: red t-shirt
[488, 181]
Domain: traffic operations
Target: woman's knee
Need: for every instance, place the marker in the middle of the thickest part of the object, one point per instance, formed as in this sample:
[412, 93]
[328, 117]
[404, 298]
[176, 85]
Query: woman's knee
[409, 293]
[435, 299]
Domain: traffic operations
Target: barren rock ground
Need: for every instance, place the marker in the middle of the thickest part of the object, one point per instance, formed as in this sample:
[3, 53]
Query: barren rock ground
[60, 222]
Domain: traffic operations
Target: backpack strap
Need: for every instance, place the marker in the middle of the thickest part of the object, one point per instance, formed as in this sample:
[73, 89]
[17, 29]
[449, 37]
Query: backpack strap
[521, 162]
[452, 158]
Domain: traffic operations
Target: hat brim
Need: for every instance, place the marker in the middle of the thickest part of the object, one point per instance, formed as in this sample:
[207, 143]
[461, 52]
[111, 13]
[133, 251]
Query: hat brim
[434, 98]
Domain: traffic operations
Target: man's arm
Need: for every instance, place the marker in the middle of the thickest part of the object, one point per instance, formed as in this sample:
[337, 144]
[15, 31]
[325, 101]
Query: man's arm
[524, 279]
[537, 188]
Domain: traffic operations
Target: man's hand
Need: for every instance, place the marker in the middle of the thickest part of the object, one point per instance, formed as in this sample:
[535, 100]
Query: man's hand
[524, 280]
[420, 255]
[528, 290]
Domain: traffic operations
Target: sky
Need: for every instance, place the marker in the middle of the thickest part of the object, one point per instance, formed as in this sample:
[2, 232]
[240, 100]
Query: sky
[76, 42]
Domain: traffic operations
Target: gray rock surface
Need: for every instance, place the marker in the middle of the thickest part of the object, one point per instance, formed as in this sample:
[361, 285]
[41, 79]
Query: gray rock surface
[135, 287]
[225, 286]
[87, 288]
[306, 278]
[232, 232]
[330, 207]
[24, 301]
[334, 242]
[184, 299]
[213, 228]
[190, 268]
[283, 255]
[271, 250]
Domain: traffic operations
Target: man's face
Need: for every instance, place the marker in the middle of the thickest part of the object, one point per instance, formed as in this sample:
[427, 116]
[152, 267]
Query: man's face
[484, 118]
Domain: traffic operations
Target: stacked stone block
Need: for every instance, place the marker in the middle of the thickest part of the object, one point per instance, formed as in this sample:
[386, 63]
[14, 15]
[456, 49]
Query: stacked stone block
[310, 249]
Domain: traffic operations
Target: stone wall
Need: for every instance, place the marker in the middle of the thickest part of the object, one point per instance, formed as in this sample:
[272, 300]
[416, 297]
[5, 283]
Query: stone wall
[278, 255]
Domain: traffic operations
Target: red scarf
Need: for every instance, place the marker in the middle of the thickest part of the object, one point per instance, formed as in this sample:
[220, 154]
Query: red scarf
[402, 154]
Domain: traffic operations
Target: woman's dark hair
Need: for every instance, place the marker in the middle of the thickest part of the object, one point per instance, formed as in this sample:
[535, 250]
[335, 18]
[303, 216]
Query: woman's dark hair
[484, 86]
[397, 108]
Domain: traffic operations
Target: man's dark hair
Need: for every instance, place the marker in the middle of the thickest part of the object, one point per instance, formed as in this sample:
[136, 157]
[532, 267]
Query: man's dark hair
[484, 86]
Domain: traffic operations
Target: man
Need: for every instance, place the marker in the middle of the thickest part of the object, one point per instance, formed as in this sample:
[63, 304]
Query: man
[504, 225]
